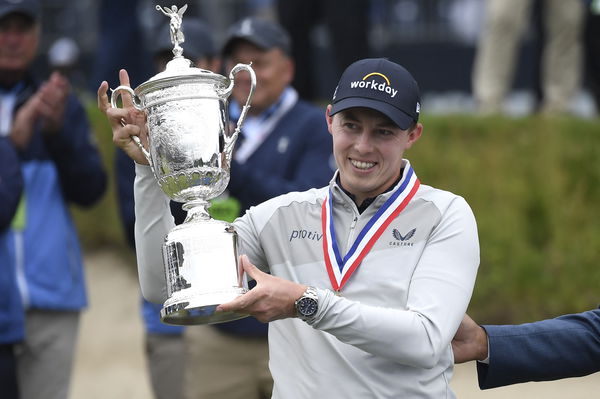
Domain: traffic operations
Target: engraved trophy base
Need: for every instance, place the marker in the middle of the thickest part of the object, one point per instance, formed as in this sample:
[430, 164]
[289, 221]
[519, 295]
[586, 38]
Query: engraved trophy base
[199, 308]
[202, 271]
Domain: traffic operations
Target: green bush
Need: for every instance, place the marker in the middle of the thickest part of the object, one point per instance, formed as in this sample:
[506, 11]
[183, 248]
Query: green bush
[533, 184]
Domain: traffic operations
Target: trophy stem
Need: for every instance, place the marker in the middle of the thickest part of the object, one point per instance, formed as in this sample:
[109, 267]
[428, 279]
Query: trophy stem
[197, 209]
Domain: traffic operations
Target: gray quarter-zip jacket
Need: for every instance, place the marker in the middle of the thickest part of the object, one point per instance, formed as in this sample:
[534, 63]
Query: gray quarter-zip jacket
[388, 334]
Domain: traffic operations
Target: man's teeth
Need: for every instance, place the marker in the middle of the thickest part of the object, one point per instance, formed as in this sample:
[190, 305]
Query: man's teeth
[362, 165]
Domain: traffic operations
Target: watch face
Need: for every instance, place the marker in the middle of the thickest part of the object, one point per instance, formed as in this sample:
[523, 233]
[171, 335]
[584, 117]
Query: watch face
[307, 306]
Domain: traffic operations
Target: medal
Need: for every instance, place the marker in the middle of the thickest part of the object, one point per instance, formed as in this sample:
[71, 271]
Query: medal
[340, 269]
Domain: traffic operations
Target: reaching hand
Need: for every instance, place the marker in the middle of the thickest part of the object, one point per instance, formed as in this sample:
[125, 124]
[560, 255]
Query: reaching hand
[125, 122]
[272, 299]
[470, 342]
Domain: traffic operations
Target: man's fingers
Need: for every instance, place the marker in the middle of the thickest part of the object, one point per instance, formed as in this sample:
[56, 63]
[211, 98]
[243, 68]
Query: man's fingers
[46, 110]
[116, 116]
[250, 269]
[124, 137]
[123, 77]
[103, 104]
[124, 81]
[239, 304]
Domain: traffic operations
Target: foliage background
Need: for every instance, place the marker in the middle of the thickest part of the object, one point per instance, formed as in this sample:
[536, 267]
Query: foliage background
[533, 184]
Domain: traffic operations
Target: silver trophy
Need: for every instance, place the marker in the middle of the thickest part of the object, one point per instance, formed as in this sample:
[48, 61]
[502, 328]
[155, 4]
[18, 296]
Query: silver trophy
[190, 148]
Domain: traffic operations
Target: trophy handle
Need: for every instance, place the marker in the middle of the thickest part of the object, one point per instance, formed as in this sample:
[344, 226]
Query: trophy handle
[229, 141]
[137, 105]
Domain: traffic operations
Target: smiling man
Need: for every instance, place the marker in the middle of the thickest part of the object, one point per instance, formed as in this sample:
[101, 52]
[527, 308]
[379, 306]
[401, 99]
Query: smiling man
[352, 315]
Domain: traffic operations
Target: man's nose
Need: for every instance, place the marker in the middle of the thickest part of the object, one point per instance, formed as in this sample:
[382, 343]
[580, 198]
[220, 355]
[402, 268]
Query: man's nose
[363, 142]
[11, 36]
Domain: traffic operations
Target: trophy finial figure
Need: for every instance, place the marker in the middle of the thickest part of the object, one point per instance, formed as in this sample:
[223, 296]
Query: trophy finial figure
[177, 36]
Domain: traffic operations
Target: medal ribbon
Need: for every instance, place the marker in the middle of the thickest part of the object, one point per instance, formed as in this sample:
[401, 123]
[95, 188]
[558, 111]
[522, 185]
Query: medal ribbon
[369, 234]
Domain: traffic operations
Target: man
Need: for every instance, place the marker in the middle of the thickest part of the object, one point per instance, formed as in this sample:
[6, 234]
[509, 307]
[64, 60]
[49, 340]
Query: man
[11, 182]
[285, 145]
[567, 346]
[48, 128]
[347, 26]
[12, 319]
[166, 350]
[367, 277]
[498, 51]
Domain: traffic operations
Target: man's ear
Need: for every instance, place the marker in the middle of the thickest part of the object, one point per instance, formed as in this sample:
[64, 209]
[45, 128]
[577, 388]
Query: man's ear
[414, 135]
[290, 69]
[329, 118]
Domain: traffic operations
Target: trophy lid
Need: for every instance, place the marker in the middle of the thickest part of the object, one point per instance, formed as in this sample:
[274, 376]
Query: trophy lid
[180, 67]
[180, 70]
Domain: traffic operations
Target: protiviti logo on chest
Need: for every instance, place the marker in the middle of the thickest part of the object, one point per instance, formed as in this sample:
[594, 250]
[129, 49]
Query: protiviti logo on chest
[373, 81]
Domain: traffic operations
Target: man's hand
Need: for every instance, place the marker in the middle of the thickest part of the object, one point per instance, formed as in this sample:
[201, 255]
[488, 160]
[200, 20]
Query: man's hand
[125, 122]
[24, 123]
[272, 299]
[52, 103]
[46, 105]
[470, 342]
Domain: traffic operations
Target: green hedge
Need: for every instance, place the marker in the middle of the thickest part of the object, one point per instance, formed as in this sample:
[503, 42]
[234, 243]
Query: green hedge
[533, 184]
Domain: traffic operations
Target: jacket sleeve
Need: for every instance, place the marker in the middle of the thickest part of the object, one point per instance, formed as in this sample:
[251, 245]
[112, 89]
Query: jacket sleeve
[567, 346]
[11, 182]
[440, 290]
[153, 220]
[76, 155]
[124, 177]
[311, 155]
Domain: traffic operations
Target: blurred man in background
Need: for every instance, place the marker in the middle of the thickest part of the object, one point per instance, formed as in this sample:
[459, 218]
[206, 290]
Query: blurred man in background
[12, 317]
[347, 24]
[497, 53]
[60, 164]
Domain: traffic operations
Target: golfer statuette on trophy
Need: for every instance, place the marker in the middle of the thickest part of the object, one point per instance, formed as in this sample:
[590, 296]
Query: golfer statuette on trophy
[189, 149]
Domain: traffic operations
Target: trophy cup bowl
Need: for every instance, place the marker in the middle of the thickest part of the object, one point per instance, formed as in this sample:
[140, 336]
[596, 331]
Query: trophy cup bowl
[190, 145]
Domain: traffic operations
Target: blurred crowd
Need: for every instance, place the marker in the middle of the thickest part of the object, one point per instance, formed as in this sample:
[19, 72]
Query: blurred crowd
[422, 34]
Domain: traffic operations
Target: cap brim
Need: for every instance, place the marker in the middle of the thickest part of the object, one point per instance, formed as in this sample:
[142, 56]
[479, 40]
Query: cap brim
[399, 117]
[250, 39]
[19, 9]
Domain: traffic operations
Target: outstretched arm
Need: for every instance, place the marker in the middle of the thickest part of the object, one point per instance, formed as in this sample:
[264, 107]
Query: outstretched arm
[567, 346]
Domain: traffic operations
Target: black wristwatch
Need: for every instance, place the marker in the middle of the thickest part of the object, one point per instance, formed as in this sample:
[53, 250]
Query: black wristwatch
[308, 304]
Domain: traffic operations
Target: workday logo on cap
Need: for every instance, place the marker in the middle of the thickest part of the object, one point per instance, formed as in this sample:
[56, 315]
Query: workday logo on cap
[382, 85]
[370, 81]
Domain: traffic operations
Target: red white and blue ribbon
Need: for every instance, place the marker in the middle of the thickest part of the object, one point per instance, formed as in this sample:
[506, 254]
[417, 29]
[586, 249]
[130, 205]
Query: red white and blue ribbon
[340, 269]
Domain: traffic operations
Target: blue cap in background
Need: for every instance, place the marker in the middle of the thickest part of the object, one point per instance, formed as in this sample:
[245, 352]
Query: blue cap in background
[260, 32]
[29, 8]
